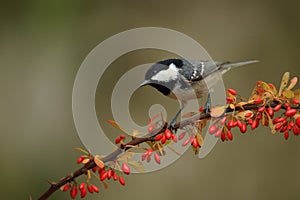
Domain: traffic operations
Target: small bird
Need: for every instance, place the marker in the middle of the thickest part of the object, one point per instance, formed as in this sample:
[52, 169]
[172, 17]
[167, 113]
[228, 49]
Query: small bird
[186, 79]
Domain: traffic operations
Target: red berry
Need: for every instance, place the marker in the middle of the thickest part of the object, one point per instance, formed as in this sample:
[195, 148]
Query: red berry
[109, 173]
[174, 138]
[229, 135]
[258, 101]
[232, 91]
[80, 159]
[278, 120]
[163, 139]
[150, 151]
[181, 135]
[286, 135]
[296, 130]
[298, 121]
[250, 121]
[295, 101]
[185, 142]
[290, 112]
[150, 128]
[121, 180]
[159, 137]
[270, 112]
[195, 143]
[157, 158]
[212, 129]
[239, 123]
[218, 133]
[230, 124]
[278, 126]
[115, 176]
[223, 136]
[74, 191]
[125, 168]
[94, 169]
[148, 158]
[290, 126]
[83, 193]
[249, 114]
[144, 155]
[66, 187]
[223, 120]
[261, 109]
[90, 188]
[243, 128]
[259, 116]
[229, 100]
[284, 128]
[100, 169]
[287, 105]
[254, 125]
[168, 134]
[118, 140]
[95, 188]
[277, 107]
[82, 186]
[201, 109]
[122, 136]
[103, 175]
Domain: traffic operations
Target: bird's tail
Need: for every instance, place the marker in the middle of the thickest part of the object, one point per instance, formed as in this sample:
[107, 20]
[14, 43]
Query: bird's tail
[228, 65]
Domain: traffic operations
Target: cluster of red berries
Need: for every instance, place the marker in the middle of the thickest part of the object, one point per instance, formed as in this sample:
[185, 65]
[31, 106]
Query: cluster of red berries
[120, 138]
[191, 140]
[147, 156]
[83, 187]
[263, 115]
[111, 174]
[164, 137]
[104, 174]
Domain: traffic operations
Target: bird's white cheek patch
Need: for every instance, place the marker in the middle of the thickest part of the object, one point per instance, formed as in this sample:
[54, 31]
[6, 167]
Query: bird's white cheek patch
[166, 75]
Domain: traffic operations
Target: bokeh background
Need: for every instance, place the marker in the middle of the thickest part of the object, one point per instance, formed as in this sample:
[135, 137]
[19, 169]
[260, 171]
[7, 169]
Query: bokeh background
[43, 44]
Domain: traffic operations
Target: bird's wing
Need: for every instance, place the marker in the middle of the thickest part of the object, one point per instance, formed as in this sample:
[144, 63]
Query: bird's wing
[198, 70]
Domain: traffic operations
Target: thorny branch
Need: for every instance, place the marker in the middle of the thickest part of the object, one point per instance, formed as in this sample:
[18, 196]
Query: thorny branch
[149, 137]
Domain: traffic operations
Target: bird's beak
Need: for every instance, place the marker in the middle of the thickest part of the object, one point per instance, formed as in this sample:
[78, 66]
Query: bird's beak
[146, 82]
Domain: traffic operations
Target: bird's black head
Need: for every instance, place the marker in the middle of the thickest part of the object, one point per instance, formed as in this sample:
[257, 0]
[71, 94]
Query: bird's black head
[163, 75]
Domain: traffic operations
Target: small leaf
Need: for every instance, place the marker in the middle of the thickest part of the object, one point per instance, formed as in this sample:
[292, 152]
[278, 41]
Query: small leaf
[273, 89]
[288, 94]
[89, 174]
[217, 111]
[114, 124]
[200, 139]
[293, 81]
[82, 150]
[196, 150]
[297, 94]
[135, 133]
[284, 82]
[105, 184]
[86, 160]
[98, 161]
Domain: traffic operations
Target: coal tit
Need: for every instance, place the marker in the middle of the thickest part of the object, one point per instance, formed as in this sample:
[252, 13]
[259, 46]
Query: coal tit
[184, 79]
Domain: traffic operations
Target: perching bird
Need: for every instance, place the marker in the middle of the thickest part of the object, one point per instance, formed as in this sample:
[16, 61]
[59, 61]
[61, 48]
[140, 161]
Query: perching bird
[185, 80]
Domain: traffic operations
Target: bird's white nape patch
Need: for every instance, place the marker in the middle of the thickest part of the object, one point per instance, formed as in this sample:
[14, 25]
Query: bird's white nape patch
[166, 75]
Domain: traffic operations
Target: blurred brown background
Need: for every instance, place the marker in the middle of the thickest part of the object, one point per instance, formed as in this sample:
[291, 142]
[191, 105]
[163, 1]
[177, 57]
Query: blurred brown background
[43, 44]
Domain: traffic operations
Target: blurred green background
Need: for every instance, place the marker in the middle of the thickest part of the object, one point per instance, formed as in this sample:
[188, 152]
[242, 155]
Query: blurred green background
[43, 44]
